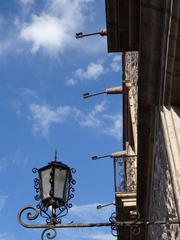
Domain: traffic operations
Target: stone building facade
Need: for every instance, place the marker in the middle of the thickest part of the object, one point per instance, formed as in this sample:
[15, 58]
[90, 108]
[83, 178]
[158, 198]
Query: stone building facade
[148, 34]
[130, 106]
[164, 188]
[163, 198]
[130, 101]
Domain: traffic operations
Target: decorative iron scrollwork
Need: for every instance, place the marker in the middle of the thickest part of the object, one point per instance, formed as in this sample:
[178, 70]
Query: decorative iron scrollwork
[32, 213]
[48, 233]
[135, 228]
[134, 225]
[125, 174]
[114, 227]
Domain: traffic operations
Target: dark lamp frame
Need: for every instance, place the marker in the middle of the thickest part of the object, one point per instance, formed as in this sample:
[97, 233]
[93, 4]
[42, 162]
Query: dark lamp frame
[52, 199]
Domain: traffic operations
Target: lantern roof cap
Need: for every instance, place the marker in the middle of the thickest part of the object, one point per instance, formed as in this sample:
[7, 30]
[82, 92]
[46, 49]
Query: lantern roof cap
[54, 162]
[58, 163]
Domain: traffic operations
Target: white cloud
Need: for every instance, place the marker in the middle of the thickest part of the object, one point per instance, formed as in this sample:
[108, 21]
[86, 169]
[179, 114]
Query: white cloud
[50, 26]
[97, 118]
[91, 119]
[44, 116]
[115, 128]
[71, 82]
[116, 63]
[54, 28]
[45, 32]
[93, 71]
[100, 107]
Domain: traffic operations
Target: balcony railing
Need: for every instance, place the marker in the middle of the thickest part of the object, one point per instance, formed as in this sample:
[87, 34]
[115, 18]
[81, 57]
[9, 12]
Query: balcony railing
[125, 174]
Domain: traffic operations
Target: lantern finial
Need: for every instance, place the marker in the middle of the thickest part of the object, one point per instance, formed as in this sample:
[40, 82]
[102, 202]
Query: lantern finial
[55, 156]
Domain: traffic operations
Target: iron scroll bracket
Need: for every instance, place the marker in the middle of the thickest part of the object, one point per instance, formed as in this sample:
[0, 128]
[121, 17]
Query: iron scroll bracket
[32, 213]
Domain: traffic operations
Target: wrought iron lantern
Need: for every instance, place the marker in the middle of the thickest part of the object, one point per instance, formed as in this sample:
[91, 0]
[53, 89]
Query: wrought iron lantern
[54, 189]
[54, 184]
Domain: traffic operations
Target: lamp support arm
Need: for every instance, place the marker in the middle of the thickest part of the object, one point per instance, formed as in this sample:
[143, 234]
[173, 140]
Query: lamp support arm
[33, 216]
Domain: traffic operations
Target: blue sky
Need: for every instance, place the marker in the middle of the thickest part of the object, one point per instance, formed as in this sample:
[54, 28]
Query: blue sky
[44, 73]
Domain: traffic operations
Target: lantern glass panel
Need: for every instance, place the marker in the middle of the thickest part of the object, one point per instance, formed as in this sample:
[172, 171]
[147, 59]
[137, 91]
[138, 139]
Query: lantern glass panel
[46, 186]
[60, 183]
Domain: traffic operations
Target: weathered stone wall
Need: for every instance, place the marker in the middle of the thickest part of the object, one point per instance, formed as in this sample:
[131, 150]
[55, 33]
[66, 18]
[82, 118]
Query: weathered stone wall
[131, 79]
[163, 199]
[131, 73]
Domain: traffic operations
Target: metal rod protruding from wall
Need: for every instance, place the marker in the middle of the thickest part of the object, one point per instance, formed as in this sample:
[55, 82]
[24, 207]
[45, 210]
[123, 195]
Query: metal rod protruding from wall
[113, 90]
[105, 205]
[88, 95]
[102, 32]
[112, 155]
[97, 158]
